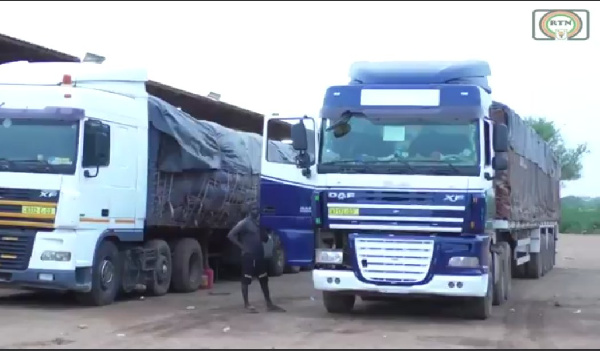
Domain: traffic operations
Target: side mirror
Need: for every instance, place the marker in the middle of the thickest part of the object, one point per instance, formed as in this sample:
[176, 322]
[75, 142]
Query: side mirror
[500, 138]
[500, 163]
[299, 137]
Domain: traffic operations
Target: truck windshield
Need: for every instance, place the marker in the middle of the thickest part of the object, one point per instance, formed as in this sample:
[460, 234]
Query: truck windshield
[38, 145]
[415, 146]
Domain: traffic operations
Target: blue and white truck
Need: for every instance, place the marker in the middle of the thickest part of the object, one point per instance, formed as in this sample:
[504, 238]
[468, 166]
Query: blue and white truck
[422, 185]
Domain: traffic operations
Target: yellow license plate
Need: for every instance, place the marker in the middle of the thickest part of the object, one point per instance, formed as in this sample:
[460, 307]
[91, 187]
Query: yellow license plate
[38, 210]
[336, 211]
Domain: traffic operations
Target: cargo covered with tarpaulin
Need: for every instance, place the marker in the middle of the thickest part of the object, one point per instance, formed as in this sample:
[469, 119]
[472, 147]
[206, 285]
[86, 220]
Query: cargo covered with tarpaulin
[201, 174]
[529, 191]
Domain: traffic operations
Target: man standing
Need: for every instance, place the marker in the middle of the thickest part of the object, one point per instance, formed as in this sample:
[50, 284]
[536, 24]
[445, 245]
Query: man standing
[249, 238]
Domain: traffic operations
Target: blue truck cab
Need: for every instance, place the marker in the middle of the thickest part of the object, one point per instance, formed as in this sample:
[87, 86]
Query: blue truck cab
[408, 161]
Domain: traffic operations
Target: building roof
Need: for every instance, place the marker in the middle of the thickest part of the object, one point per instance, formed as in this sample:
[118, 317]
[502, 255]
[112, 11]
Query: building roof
[12, 49]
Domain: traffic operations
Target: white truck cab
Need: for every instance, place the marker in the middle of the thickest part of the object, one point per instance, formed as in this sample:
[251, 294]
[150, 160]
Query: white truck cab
[72, 171]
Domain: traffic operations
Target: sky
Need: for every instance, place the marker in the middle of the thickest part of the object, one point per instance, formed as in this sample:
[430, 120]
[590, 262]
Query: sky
[281, 56]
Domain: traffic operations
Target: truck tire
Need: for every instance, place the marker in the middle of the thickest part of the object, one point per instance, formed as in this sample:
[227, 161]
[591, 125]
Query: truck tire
[106, 276]
[277, 261]
[508, 258]
[338, 303]
[292, 269]
[163, 269]
[499, 285]
[546, 257]
[535, 267]
[481, 307]
[553, 252]
[188, 266]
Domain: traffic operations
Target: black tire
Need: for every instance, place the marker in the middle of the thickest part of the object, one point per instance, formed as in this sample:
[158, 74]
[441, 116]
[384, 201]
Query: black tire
[546, 256]
[292, 269]
[481, 307]
[106, 276]
[518, 271]
[160, 282]
[508, 258]
[338, 303]
[500, 284]
[307, 268]
[553, 253]
[188, 266]
[535, 267]
[277, 261]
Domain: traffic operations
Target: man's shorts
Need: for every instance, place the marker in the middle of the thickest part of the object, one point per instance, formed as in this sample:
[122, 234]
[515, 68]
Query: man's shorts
[253, 267]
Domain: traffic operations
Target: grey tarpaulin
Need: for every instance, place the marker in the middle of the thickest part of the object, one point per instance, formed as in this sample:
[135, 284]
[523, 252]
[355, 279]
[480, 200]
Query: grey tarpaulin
[529, 191]
[201, 174]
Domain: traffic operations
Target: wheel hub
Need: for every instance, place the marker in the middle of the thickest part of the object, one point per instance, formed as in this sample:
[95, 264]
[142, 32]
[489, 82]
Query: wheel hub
[162, 269]
[107, 273]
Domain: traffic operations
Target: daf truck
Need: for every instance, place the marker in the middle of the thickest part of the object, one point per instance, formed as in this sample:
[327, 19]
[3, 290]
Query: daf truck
[422, 185]
[104, 188]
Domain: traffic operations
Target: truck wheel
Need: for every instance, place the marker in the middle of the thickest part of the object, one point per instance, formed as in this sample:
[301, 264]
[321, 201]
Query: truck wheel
[546, 257]
[106, 276]
[508, 258]
[187, 266]
[292, 269]
[500, 284]
[481, 307]
[553, 252]
[338, 303]
[161, 277]
[535, 267]
[307, 268]
[277, 261]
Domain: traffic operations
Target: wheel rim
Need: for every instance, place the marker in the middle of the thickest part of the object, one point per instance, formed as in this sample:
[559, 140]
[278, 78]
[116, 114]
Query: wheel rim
[162, 269]
[107, 273]
[280, 258]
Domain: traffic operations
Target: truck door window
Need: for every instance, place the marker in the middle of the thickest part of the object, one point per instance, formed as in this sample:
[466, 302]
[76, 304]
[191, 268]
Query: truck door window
[487, 142]
[96, 144]
[279, 148]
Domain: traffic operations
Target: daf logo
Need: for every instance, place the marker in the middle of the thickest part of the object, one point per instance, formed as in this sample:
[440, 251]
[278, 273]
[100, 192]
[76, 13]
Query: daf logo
[341, 196]
[48, 193]
[454, 198]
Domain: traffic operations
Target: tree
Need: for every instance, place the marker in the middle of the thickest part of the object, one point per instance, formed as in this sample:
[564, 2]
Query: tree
[570, 159]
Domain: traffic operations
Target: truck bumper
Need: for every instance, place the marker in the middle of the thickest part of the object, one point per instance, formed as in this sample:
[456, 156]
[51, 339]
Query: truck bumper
[439, 285]
[75, 280]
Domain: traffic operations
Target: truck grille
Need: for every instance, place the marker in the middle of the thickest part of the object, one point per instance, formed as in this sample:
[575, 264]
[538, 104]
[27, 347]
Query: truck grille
[15, 249]
[393, 260]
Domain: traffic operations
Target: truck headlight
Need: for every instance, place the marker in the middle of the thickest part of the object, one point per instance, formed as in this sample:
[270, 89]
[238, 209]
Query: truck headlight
[463, 262]
[329, 256]
[61, 256]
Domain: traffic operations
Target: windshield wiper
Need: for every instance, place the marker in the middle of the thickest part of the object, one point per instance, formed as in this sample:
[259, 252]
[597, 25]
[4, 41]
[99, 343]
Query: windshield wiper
[338, 162]
[41, 163]
[451, 167]
[5, 163]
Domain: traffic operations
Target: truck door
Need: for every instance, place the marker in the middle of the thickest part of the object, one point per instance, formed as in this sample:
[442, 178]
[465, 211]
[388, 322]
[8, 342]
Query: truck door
[286, 191]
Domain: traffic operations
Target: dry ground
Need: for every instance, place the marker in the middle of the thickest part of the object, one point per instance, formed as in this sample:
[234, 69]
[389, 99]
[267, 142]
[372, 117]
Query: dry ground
[562, 310]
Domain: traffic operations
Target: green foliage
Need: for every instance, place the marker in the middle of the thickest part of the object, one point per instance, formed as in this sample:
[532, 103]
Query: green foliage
[569, 158]
[580, 215]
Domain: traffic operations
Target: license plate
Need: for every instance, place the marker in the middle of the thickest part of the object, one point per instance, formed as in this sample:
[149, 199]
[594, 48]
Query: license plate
[38, 210]
[343, 211]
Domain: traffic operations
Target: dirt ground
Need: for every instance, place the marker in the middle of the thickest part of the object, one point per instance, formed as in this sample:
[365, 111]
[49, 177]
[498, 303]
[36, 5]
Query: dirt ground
[562, 310]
